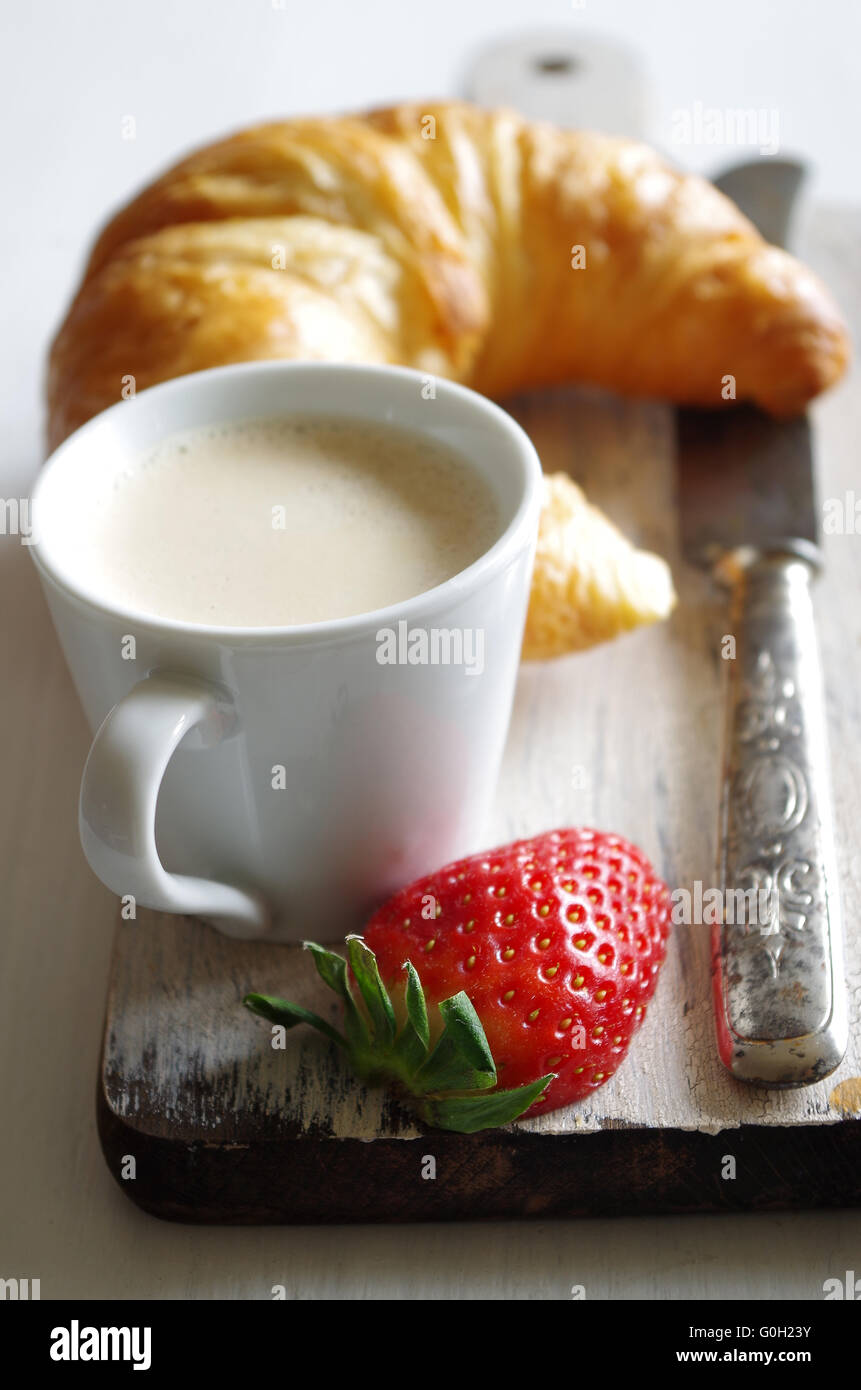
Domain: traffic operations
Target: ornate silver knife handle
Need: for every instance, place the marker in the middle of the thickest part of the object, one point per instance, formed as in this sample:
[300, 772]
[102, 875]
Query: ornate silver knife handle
[778, 968]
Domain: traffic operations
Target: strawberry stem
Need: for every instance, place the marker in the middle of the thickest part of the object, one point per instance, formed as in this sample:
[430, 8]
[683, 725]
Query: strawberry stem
[449, 1084]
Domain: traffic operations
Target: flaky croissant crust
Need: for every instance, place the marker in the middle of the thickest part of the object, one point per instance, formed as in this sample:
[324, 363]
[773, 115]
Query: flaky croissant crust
[445, 237]
[468, 243]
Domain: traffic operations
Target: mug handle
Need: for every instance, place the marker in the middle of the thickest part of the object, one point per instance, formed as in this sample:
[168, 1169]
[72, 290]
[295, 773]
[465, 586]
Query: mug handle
[119, 794]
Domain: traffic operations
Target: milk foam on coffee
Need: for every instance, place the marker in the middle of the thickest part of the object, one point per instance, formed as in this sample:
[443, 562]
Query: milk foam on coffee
[273, 522]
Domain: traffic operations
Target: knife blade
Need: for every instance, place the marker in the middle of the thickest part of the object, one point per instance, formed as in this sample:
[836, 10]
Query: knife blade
[748, 513]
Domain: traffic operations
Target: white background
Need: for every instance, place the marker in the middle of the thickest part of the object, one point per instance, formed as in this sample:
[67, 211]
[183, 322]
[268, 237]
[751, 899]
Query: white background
[188, 69]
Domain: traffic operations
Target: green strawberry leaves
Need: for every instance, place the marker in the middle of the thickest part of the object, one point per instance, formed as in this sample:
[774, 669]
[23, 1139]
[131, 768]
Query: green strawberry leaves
[413, 1040]
[469, 1114]
[332, 970]
[461, 1060]
[377, 1002]
[450, 1082]
[288, 1015]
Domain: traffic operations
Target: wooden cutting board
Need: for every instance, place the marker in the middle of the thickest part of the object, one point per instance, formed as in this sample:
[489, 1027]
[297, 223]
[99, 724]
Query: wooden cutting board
[222, 1128]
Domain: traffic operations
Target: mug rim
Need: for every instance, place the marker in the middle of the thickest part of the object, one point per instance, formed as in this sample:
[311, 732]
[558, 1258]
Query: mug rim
[489, 563]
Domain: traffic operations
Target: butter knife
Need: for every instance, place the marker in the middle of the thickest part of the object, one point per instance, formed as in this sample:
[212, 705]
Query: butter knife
[749, 514]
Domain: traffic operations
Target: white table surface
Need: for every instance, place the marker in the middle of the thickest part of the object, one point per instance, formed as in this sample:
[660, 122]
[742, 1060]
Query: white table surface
[184, 71]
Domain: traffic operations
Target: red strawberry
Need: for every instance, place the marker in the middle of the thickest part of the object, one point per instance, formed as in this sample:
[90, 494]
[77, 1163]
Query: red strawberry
[537, 961]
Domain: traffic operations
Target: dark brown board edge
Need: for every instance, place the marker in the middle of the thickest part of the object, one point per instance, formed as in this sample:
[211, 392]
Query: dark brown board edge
[500, 1174]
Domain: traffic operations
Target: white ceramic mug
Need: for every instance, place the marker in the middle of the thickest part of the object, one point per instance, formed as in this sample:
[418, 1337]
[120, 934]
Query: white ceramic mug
[388, 770]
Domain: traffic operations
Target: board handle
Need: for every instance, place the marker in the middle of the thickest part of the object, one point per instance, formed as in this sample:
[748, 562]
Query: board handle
[119, 794]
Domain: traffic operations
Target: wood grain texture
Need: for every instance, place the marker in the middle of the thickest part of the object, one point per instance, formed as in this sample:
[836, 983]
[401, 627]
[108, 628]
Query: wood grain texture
[626, 737]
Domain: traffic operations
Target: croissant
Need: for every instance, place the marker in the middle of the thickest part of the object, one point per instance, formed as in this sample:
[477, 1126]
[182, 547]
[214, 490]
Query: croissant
[589, 583]
[463, 242]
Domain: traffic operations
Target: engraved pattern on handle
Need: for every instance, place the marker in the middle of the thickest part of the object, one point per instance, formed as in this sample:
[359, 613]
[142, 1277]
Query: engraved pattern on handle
[779, 987]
